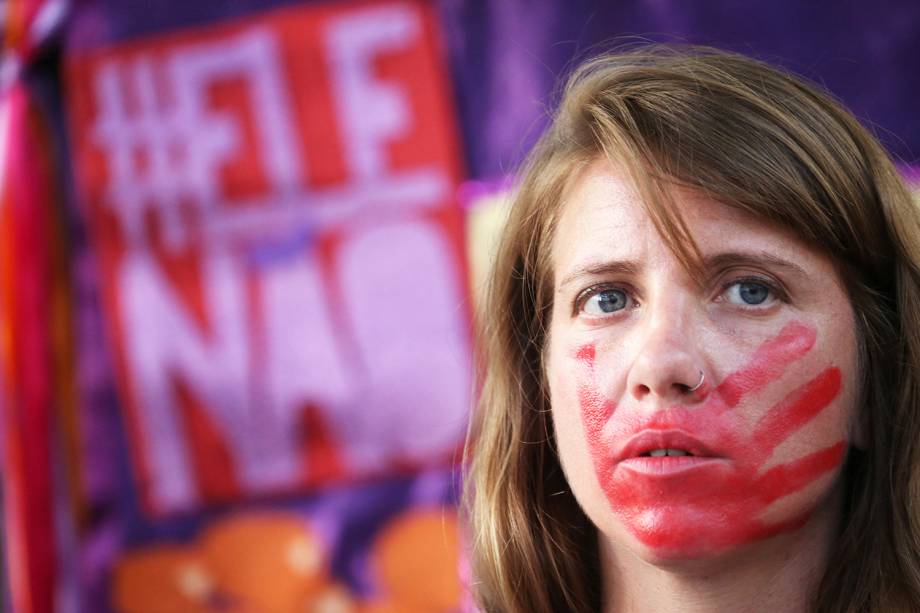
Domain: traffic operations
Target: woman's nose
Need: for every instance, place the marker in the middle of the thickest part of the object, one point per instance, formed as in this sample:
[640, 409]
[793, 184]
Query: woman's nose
[668, 365]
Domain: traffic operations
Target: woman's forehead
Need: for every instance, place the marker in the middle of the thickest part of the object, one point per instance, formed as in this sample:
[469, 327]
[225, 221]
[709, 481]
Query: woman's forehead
[603, 218]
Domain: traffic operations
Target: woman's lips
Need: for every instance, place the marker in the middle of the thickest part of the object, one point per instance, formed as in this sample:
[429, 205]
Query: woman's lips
[643, 453]
[646, 441]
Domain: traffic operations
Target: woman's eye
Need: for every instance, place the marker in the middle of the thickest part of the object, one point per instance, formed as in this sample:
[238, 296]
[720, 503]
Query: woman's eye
[605, 301]
[749, 293]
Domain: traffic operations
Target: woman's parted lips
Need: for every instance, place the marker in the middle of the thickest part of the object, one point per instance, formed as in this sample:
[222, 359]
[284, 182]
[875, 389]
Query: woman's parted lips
[649, 440]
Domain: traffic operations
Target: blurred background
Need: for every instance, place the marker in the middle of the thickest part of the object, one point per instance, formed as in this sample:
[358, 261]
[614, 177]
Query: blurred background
[241, 245]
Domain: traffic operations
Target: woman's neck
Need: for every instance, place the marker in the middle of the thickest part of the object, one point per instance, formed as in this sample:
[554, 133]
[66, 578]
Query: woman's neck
[777, 574]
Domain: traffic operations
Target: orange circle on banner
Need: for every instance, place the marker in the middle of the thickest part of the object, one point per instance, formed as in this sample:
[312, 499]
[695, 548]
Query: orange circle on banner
[162, 579]
[416, 558]
[389, 607]
[333, 598]
[265, 561]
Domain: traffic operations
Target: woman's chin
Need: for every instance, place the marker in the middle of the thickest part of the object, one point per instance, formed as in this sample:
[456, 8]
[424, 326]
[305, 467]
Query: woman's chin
[686, 537]
[680, 556]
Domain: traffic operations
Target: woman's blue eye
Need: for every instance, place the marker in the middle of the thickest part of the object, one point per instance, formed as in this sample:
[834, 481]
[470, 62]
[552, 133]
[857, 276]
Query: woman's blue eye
[748, 293]
[606, 301]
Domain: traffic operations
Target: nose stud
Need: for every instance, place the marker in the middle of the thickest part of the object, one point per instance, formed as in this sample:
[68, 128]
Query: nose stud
[698, 385]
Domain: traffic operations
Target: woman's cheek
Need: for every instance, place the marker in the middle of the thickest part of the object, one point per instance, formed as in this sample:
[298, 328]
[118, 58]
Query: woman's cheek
[571, 443]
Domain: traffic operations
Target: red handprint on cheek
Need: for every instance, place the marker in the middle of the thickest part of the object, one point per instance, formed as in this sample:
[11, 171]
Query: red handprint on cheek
[714, 499]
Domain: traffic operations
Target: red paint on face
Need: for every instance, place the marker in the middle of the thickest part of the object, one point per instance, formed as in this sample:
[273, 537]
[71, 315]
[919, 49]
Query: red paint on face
[768, 363]
[712, 501]
[586, 355]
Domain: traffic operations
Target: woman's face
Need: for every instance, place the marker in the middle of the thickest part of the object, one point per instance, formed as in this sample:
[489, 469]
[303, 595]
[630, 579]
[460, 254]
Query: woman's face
[667, 469]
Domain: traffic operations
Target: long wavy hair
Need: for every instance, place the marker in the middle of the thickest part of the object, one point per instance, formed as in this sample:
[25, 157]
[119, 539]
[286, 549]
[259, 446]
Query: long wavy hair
[752, 137]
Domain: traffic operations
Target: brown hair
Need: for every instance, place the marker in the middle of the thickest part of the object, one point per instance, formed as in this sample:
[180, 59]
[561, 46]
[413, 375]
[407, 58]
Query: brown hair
[761, 140]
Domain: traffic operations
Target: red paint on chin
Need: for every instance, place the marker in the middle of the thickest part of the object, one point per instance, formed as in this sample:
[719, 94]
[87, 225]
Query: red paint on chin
[692, 506]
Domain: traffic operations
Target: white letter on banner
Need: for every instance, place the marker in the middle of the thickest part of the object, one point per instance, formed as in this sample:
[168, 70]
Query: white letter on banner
[370, 111]
[303, 364]
[401, 297]
[163, 345]
[254, 56]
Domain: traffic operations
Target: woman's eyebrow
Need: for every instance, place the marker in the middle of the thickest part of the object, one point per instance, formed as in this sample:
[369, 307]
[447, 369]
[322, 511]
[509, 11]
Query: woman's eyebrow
[710, 262]
[763, 258]
[600, 268]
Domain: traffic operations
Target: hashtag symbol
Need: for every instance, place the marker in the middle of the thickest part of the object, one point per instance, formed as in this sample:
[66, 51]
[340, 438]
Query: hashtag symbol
[162, 145]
